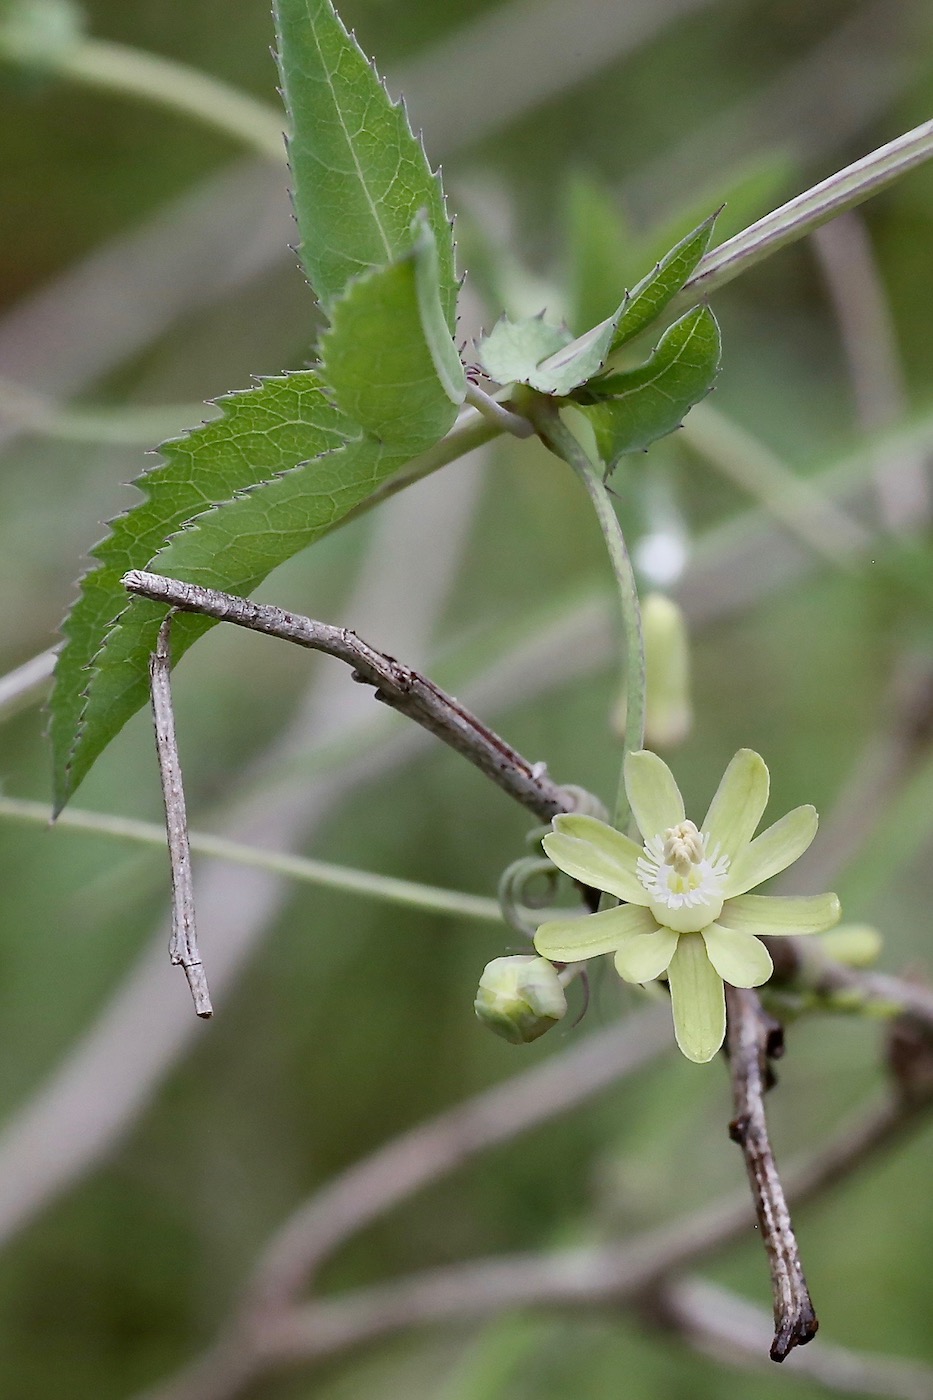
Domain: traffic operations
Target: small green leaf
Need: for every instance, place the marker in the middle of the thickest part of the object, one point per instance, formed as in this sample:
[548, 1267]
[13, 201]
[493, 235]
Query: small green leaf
[645, 302]
[377, 360]
[359, 174]
[262, 431]
[513, 349]
[649, 402]
[577, 362]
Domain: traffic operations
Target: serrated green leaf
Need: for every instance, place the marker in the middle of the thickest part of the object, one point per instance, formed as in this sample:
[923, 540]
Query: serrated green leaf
[359, 174]
[513, 350]
[233, 546]
[376, 357]
[262, 431]
[649, 402]
[645, 302]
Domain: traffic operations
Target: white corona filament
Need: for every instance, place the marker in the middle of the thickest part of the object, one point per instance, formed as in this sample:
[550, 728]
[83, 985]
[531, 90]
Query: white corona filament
[679, 871]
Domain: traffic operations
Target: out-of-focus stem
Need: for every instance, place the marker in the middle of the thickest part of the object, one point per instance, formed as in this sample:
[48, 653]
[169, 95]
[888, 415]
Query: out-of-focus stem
[820, 523]
[562, 442]
[366, 884]
[800, 216]
[151, 78]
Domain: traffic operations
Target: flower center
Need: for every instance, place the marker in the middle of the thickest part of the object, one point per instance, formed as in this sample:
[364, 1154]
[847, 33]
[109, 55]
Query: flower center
[684, 879]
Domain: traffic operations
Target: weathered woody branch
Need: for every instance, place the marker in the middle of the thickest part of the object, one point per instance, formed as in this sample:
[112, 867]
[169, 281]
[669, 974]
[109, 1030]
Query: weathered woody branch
[395, 684]
[272, 1327]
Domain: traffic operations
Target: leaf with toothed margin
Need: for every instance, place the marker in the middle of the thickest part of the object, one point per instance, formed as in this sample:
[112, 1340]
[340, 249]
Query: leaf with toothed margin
[263, 430]
[359, 175]
[232, 546]
[513, 349]
[378, 359]
[649, 402]
[302, 461]
[645, 302]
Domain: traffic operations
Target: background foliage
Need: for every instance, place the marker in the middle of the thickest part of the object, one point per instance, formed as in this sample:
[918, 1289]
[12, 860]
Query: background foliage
[351, 1021]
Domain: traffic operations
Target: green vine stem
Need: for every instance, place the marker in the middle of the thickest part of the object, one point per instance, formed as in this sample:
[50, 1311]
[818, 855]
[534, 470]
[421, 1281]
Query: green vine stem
[386, 888]
[800, 216]
[26, 411]
[166, 83]
[561, 441]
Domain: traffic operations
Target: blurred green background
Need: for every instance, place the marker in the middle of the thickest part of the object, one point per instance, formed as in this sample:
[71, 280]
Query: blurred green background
[145, 1157]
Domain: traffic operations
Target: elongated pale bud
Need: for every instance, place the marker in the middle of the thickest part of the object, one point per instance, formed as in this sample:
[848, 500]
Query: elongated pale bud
[39, 33]
[668, 712]
[856, 945]
[520, 998]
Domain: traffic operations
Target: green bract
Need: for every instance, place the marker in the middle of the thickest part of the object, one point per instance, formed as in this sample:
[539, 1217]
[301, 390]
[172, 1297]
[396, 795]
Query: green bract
[687, 911]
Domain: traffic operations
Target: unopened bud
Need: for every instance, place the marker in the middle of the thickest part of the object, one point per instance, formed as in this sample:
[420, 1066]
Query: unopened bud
[520, 998]
[668, 712]
[855, 945]
[38, 33]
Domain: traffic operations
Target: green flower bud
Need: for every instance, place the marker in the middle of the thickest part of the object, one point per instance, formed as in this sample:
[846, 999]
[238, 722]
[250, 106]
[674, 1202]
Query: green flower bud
[668, 712]
[520, 998]
[39, 33]
[856, 945]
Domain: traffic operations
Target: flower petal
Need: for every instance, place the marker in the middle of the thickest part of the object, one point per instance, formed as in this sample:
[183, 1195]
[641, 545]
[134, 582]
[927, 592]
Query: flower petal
[596, 854]
[652, 793]
[740, 958]
[698, 999]
[570, 940]
[646, 956]
[774, 850]
[770, 916]
[737, 808]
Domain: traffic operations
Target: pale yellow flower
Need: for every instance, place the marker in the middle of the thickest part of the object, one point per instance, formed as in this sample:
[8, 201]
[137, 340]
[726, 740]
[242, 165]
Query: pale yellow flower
[686, 909]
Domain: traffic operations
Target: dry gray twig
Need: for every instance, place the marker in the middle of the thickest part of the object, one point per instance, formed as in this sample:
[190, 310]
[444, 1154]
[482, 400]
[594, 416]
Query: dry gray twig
[183, 946]
[752, 1039]
[734, 1332]
[271, 1332]
[869, 339]
[432, 1149]
[607, 1276]
[399, 686]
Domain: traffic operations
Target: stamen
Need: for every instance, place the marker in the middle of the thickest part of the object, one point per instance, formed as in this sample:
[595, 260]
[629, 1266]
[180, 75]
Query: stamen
[679, 871]
[683, 847]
